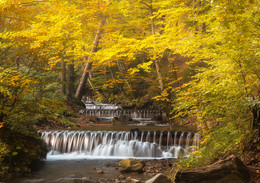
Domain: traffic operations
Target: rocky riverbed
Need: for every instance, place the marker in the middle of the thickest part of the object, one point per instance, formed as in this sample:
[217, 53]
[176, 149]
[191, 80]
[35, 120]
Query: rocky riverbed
[95, 171]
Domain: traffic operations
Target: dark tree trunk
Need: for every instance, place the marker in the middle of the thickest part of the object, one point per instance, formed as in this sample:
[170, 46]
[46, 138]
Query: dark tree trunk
[2, 116]
[71, 80]
[63, 77]
[256, 119]
[88, 65]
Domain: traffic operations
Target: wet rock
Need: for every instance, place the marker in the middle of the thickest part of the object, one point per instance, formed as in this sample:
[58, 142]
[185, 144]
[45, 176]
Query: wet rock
[99, 171]
[159, 178]
[181, 153]
[134, 130]
[132, 180]
[93, 119]
[150, 124]
[82, 111]
[105, 180]
[124, 118]
[121, 176]
[131, 165]
[117, 181]
[115, 121]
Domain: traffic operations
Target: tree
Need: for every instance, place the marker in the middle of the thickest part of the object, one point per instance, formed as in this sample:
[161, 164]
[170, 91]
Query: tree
[224, 89]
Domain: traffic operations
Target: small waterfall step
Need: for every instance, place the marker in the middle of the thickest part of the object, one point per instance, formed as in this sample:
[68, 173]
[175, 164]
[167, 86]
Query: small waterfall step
[133, 114]
[109, 111]
[122, 144]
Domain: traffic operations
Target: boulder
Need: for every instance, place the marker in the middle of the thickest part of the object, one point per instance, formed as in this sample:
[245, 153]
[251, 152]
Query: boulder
[165, 118]
[159, 178]
[132, 180]
[124, 118]
[230, 169]
[93, 119]
[131, 165]
[99, 171]
[82, 111]
[115, 121]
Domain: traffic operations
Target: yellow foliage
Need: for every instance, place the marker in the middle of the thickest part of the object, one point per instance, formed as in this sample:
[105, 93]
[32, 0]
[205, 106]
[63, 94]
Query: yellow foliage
[162, 97]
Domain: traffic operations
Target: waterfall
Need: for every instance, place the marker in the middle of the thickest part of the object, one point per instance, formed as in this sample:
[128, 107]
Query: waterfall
[118, 145]
[111, 112]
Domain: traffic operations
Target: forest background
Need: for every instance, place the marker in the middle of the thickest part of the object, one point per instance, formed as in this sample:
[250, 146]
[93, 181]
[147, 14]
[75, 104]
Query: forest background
[198, 60]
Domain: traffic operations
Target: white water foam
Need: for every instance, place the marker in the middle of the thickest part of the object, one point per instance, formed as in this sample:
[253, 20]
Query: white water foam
[68, 145]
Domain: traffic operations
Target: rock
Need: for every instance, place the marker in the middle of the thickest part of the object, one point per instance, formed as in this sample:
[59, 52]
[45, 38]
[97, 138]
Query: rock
[121, 176]
[159, 178]
[93, 119]
[131, 165]
[150, 124]
[132, 180]
[115, 121]
[99, 171]
[164, 117]
[124, 118]
[230, 169]
[117, 181]
[181, 153]
[82, 111]
[134, 130]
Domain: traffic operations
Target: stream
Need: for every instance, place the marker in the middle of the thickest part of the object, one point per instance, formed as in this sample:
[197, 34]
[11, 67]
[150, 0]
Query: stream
[75, 156]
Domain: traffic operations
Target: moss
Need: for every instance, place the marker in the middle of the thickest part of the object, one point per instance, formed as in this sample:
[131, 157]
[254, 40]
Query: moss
[18, 152]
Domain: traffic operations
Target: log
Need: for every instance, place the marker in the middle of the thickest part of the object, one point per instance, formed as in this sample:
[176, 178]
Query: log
[230, 170]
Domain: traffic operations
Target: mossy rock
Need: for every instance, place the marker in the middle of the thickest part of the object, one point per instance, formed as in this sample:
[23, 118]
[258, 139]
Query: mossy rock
[131, 165]
[124, 118]
[115, 121]
[19, 152]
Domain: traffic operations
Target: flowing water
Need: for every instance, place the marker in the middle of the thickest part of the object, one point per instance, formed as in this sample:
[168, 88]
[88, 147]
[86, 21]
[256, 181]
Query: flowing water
[109, 111]
[118, 145]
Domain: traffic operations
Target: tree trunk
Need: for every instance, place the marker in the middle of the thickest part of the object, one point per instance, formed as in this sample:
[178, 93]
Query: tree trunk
[88, 64]
[70, 79]
[63, 77]
[256, 119]
[99, 92]
[121, 68]
[2, 116]
[230, 169]
[157, 66]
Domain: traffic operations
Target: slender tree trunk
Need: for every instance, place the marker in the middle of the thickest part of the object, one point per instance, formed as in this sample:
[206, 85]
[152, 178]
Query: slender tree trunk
[113, 78]
[63, 77]
[100, 93]
[157, 66]
[70, 79]
[88, 64]
[121, 68]
[2, 116]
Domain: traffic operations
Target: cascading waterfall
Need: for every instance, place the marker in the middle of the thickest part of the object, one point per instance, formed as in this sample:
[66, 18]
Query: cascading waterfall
[110, 113]
[118, 145]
